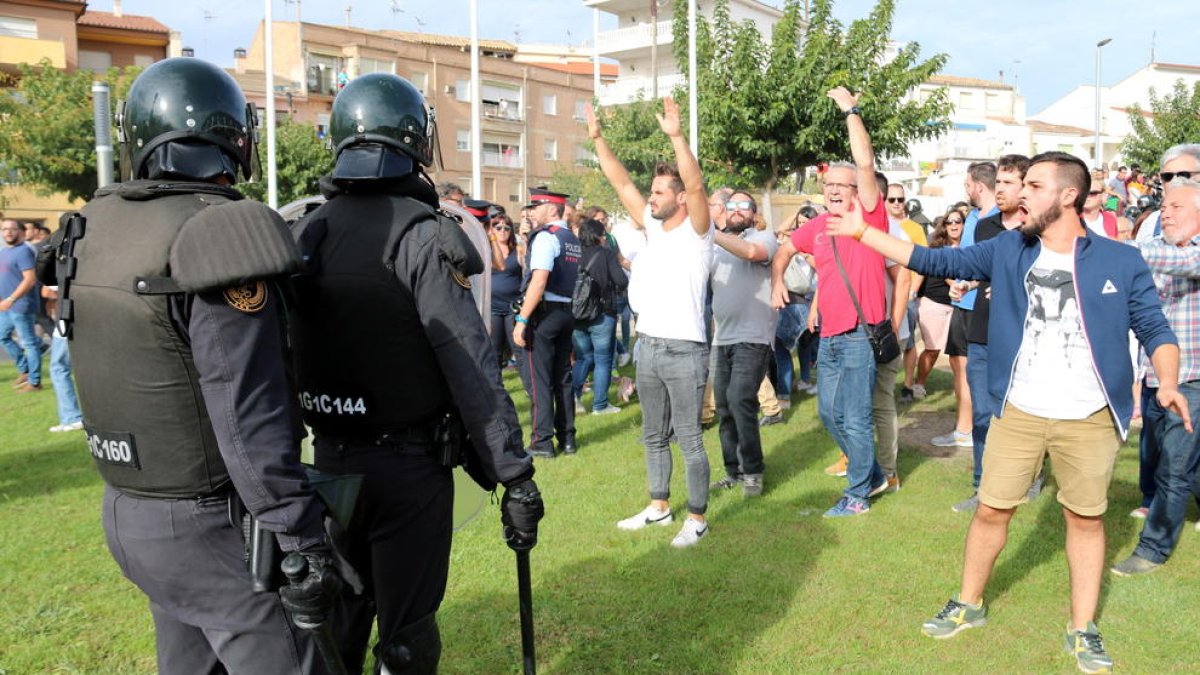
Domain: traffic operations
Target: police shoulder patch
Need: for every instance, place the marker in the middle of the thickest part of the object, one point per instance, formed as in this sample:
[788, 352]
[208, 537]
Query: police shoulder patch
[248, 298]
[460, 279]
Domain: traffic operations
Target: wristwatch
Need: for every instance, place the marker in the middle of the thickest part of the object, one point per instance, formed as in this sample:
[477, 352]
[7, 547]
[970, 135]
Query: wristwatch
[853, 111]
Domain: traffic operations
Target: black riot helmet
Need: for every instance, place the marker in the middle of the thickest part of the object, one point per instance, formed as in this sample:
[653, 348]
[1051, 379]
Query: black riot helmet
[378, 127]
[912, 206]
[185, 118]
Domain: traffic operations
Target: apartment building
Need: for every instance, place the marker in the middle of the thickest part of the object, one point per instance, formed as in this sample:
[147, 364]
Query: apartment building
[532, 115]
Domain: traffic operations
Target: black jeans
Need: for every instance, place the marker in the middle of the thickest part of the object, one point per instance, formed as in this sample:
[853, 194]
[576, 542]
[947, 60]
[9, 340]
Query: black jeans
[547, 375]
[739, 370]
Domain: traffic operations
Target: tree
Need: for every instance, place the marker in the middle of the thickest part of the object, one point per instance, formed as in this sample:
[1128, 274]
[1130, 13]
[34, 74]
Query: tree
[1175, 119]
[763, 110]
[301, 158]
[47, 131]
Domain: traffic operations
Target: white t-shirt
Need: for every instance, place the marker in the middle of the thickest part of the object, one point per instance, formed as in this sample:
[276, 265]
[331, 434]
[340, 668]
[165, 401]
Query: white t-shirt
[1054, 376]
[898, 232]
[669, 280]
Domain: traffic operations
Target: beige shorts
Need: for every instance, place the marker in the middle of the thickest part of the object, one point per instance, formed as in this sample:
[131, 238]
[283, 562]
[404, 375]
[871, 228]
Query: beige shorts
[934, 319]
[1082, 452]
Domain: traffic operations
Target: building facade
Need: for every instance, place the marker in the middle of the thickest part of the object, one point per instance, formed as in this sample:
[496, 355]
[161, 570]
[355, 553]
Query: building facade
[532, 115]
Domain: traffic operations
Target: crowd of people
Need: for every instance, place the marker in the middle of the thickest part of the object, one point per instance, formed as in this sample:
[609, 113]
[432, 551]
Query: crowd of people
[1066, 301]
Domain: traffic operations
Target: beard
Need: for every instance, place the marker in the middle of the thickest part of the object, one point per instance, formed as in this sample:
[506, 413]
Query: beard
[739, 226]
[1034, 227]
[665, 211]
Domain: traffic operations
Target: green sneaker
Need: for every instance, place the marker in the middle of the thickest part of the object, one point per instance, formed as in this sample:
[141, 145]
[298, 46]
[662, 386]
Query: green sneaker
[1088, 649]
[954, 618]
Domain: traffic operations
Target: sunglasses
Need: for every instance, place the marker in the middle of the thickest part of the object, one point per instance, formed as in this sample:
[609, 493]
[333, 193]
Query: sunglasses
[502, 228]
[954, 222]
[740, 205]
[1093, 193]
[895, 200]
[1168, 176]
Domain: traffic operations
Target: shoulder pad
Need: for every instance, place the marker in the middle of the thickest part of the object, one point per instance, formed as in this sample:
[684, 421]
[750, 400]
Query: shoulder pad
[456, 247]
[230, 244]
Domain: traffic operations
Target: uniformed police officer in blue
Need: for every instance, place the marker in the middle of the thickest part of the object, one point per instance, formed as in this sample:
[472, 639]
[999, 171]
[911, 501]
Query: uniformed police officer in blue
[544, 323]
[169, 294]
[387, 341]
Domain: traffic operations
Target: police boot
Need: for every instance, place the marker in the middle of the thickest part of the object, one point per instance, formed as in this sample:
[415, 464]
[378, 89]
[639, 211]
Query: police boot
[413, 650]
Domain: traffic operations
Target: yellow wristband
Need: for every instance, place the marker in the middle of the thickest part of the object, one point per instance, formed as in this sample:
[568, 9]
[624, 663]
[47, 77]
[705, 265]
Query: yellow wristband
[862, 229]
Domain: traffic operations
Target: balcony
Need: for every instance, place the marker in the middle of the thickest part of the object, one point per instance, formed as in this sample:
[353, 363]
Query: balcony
[508, 159]
[627, 89]
[14, 50]
[504, 110]
[623, 41]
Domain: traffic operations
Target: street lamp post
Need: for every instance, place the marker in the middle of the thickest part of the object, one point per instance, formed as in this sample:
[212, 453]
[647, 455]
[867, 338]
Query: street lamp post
[1099, 153]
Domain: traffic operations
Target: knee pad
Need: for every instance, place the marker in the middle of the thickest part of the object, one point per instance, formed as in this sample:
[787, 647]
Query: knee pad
[414, 650]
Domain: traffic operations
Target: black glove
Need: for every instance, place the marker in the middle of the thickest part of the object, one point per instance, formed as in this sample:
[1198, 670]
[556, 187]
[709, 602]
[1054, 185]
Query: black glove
[313, 585]
[520, 510]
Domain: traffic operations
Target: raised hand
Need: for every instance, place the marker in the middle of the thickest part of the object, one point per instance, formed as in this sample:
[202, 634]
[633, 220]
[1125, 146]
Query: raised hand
[668, 121]
[843, 98]
[593, 125]
[845, 225]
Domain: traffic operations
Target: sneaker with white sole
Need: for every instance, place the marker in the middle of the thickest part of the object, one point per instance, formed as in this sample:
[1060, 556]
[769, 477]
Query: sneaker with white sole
[609, 409]
[967, 505]
[953, 439]
[752, 485]
[879, 489]
[919, 391]
[954, 618]
[1087, 646]
[691, 533]
[651, 515]
[1140, 513]
[73, 426]
[623, 359]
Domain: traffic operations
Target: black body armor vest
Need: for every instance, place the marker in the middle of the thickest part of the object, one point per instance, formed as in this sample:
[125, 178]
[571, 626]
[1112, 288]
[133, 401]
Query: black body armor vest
[364, 366]
[562, 278]
[146, 422]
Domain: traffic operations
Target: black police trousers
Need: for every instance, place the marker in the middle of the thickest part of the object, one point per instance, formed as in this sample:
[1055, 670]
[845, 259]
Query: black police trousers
[188, 559]
[398, 542]
[547, 355]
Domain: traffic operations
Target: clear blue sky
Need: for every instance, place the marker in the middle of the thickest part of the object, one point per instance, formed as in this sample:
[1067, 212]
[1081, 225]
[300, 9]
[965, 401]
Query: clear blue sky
[1047, 47]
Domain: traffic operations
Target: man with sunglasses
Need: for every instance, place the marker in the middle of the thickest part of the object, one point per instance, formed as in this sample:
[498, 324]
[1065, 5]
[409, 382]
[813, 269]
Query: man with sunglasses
[745, 333]
[898, 217]
[1094, 216]
[846, 374]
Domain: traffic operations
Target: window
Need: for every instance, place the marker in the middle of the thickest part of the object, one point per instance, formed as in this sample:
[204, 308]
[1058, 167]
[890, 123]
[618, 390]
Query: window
[143, 60]
[322, 125]
[462, 140]
[502, 101]
[966, 100]
[326, 74]
[96, 61]
[584, 157]
[367, 66]
[550, 104]
[994, 104]
[550, 153]
[12, 26]
[502, 150]
[420, 81]
[581, 110]
[462, 90]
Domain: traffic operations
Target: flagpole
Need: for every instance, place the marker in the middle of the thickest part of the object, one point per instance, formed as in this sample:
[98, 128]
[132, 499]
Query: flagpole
[269, 68]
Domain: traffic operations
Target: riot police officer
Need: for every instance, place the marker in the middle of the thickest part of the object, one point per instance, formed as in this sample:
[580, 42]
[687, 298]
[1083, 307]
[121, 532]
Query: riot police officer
[544, 323]
[389, 353]
[168, 295]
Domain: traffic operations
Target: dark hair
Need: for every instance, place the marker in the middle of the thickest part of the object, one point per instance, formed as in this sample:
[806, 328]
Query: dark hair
[983, 172]
[939, 237]
[671, 171]
[753, 203]
[881, 180]
[1070, 172]
[592, 211]
[808, 211]
[591, 233]
[1018, 163]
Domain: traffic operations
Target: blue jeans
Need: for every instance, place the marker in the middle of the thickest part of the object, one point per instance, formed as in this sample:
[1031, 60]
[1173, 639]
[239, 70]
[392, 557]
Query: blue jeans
[27, 356]
[64, 388]
[845, 381]
[792, 319]
[594, 347]
[983, 406]
[1147, 448]
[1178, 456]
[671, 375]
[621, 307]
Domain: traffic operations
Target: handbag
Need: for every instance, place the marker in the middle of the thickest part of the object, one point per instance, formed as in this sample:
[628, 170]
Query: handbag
[883, 339]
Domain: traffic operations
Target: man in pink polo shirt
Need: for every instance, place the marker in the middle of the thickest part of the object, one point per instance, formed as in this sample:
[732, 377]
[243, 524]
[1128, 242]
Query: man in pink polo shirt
[846, 364]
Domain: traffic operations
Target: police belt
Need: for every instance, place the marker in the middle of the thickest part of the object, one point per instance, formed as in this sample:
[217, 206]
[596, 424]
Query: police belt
[422, 433]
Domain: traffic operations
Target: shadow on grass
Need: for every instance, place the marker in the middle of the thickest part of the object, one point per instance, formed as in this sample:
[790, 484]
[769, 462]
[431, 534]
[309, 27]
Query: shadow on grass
[657, 611]
[45, 469]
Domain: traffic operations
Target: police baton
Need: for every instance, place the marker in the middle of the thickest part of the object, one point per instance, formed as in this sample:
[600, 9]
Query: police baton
[295, 568]
[525, 591]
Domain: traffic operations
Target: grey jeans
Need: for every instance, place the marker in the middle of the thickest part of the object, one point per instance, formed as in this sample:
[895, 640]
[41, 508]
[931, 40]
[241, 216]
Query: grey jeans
[883, 412]
[671, 375]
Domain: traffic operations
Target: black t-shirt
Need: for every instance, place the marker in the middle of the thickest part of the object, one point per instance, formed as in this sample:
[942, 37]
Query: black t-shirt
[506, 285]
[977, 323]
[935, 289]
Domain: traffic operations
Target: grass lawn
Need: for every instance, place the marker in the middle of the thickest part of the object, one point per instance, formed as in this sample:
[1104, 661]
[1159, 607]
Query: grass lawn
[774, 588]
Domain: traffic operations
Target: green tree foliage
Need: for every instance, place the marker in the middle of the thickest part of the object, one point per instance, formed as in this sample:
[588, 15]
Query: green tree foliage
[591, 185]
[764, 113]
[1176, 119]
[47, 133]
[300, 160]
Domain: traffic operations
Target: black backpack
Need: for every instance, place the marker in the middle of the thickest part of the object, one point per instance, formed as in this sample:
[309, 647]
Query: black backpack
[587, 302]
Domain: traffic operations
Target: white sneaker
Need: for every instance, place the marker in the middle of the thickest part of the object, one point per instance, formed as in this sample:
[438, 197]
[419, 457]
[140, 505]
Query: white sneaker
[73, 426]
[918, 391]
[953, 439]
[610, 409]
[692, 532]
[651, 515]
[623, 359]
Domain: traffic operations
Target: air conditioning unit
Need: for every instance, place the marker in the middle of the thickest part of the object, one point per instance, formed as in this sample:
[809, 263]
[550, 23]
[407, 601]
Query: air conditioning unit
[449, 90]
